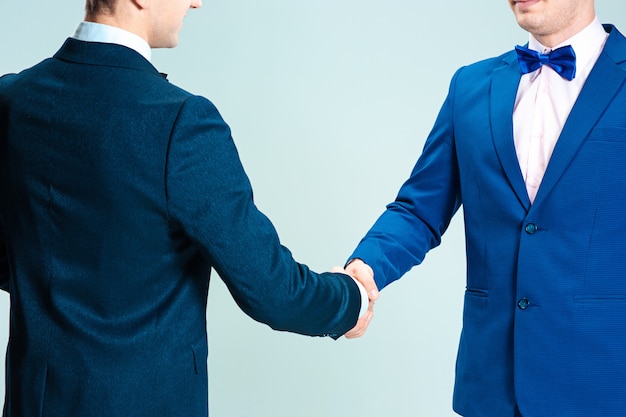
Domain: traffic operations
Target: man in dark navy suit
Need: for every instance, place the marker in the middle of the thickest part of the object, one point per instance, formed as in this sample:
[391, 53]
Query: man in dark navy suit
[119, 192]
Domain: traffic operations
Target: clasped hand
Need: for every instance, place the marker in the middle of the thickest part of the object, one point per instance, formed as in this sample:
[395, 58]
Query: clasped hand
[363, 273]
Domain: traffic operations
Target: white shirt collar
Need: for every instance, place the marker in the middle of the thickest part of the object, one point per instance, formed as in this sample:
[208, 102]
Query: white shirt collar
[587, 44]
[97, 32]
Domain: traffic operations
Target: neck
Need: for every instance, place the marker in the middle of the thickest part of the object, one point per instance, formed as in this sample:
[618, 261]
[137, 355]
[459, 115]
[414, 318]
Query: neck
[551, 40]
[130, 21]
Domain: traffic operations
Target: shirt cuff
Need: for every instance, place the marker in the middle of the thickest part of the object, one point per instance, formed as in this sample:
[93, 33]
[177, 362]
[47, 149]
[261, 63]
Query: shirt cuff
[365, 301]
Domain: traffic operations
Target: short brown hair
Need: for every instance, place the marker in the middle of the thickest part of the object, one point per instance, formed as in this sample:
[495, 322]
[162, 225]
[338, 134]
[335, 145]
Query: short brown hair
[99, 6]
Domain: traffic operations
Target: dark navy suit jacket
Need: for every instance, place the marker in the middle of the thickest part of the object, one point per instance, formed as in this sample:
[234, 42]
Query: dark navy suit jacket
[119, 192]
[544, 321]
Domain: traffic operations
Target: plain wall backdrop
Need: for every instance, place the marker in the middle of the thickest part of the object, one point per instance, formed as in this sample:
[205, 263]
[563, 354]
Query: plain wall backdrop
[329, 102]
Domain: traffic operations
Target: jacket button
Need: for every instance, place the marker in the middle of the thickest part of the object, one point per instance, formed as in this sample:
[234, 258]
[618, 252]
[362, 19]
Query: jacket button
[530, 228]
[523, 303]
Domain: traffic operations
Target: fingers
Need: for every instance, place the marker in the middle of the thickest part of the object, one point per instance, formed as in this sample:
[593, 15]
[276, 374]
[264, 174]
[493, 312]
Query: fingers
[364, 274]
[362, 324]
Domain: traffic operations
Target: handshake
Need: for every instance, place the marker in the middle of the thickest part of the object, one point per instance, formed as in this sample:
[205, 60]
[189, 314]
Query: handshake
[364, 275]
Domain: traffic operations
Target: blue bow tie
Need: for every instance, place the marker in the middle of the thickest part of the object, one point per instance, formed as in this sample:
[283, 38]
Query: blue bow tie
[562, 60]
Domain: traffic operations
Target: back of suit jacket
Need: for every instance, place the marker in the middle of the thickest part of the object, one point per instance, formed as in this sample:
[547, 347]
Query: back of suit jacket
[118, 193]
[544, 319]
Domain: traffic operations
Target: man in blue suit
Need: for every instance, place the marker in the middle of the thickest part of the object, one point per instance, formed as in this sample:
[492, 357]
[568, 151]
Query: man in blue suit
[119, 192]
[532, 144]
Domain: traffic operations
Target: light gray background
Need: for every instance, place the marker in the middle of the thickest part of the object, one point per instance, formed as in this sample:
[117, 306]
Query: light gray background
[329, 102]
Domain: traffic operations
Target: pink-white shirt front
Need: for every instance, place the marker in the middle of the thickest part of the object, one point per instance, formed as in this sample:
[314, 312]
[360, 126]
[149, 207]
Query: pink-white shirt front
[544, 101]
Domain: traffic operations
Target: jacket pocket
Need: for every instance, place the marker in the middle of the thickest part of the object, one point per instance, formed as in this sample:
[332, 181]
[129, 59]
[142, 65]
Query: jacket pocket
[476, 292]
[600, 298]
[199, 353]
[608, 134]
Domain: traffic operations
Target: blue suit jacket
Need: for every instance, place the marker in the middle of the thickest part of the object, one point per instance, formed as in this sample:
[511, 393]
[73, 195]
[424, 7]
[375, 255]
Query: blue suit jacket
[544, 321]
[118, 193]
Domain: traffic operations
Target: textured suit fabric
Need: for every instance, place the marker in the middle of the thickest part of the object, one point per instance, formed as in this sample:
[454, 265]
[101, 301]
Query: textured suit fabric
[544, 320]
[119, 193]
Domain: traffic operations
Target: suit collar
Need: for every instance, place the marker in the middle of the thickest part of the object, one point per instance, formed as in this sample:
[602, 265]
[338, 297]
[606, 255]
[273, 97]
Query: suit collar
[104, 54]
[98, 32]
[615, 47]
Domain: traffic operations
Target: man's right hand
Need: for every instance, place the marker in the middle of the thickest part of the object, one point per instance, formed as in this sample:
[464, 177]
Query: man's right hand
[363, 273]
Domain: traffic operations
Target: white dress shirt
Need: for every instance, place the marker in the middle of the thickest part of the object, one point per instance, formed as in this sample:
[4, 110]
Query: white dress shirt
[544, 101]
[97, 32]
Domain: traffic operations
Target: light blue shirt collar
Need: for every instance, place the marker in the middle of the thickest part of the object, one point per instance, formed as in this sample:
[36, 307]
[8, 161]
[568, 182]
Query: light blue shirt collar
[97, 32]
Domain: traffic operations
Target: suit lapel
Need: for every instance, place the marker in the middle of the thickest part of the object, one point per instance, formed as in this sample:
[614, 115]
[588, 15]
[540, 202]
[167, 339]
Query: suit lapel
[604, 81]
[502, 101]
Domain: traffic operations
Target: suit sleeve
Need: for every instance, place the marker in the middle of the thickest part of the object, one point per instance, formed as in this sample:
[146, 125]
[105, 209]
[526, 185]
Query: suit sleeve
[210, 196]
[4, 262]
[414, 223]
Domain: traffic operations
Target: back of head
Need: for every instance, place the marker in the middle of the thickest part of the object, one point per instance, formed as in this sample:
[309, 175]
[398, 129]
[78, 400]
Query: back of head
[93, 7]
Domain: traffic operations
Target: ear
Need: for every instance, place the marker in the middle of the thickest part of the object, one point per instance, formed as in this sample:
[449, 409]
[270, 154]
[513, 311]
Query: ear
[141, 4]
